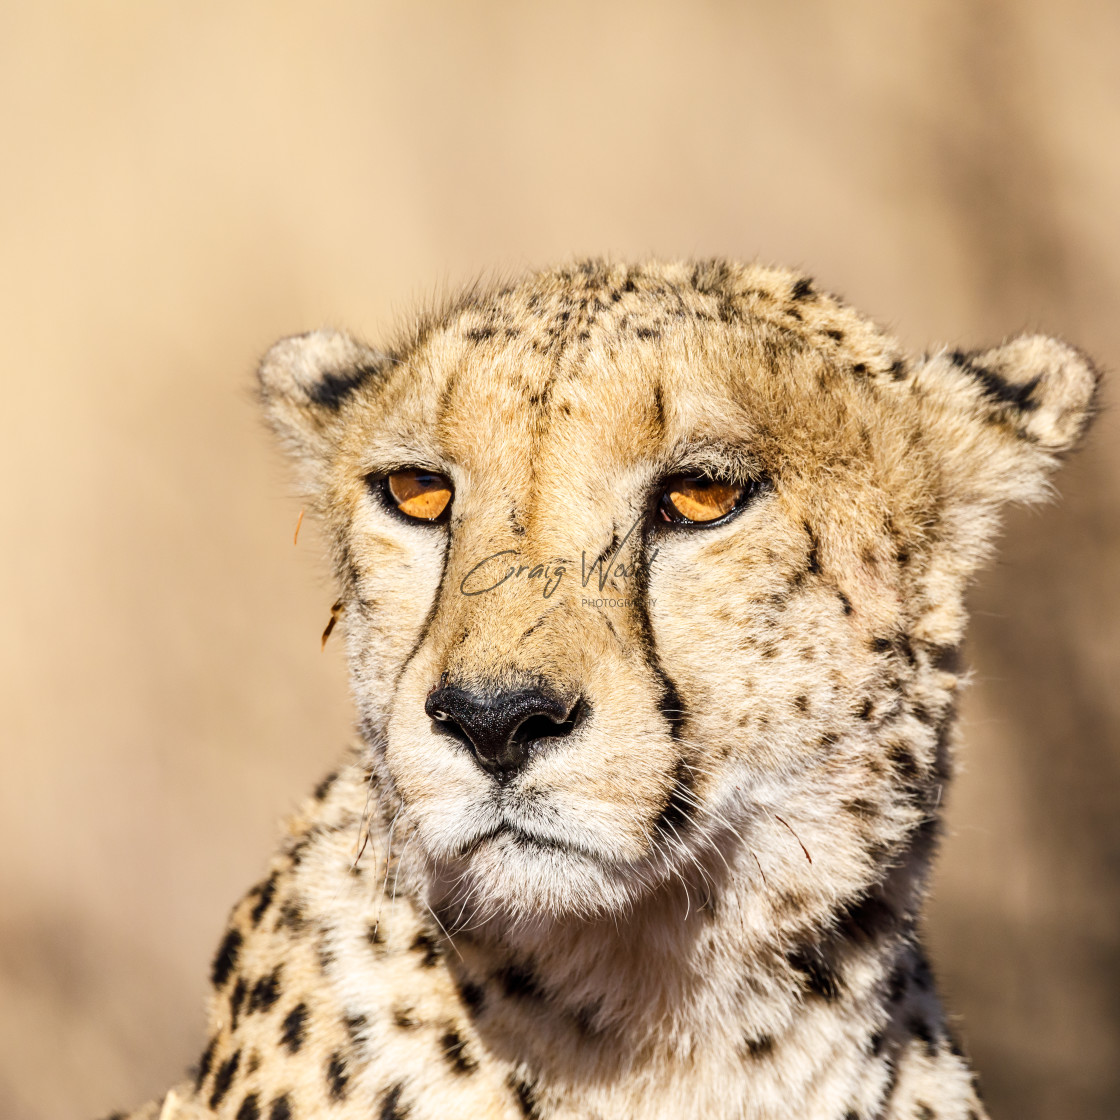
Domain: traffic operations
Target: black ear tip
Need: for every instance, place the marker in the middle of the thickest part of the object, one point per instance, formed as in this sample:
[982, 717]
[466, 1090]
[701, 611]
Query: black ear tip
[1043, 387]
[1066, 393]
[305, 380]
[295, 366]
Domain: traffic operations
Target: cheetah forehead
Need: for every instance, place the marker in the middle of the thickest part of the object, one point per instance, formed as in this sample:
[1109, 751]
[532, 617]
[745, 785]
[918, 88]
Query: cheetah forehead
[660, 334]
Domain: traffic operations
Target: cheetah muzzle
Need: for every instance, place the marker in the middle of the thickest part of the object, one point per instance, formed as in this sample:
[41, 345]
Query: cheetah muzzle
[652, 583]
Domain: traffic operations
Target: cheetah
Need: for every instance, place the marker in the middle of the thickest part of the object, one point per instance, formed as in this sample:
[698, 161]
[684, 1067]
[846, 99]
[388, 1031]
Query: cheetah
[652, 586]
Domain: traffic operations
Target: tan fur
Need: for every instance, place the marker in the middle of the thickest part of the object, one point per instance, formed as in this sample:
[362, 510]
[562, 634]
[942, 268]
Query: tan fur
[704, 902]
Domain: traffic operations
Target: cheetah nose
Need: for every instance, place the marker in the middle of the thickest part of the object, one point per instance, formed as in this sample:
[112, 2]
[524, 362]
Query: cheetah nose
[501, 727]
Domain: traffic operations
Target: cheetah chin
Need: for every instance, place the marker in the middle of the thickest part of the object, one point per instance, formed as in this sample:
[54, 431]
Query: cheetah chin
[652, 584]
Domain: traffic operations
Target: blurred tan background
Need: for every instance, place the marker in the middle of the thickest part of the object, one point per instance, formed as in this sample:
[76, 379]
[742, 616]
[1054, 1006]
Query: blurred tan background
[182, 184]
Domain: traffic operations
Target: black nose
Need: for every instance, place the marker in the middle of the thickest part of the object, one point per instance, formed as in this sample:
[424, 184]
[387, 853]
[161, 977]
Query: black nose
[500, 728]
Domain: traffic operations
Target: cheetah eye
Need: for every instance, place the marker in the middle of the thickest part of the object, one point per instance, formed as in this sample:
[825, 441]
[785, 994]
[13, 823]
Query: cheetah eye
[418, 494]
[696, 499]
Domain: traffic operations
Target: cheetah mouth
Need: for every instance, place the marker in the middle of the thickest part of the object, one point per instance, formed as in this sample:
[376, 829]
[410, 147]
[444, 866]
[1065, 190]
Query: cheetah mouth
[520, 839]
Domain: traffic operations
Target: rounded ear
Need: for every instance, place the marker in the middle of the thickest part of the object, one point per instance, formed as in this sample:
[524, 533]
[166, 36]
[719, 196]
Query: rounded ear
[305, 382]
[1009, 412]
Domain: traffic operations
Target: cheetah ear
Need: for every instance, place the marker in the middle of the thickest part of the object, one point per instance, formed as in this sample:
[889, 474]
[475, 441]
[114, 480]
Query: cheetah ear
[1008, 413]
[305, 382]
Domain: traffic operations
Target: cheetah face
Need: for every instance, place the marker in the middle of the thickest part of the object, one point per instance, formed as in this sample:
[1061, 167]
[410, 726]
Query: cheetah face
[652, 574]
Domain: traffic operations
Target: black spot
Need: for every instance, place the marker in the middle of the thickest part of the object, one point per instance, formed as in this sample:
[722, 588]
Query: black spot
[254, 1063]
[355, 1028]
[265, 894]
[845, 602]
[325, 954]
[921, 1029]
[898, 369]
[291, 917]
[473, 997]
[814, 549]
[903, 760]
[861, 807]
[677, 811]
[337, 1077]
[585, 1019]
[872, 918]
[266, 991]
[727, 309]
[803, 288]
[881, 645]
[250, 1108]
[836, 336]
[226, 959]
[859, 367]
[332, 389]
[296, 851]
[236, 999]
[223, 1079]
[758, 1047]
[481, 334]
[866, 710]
[391, 1107]
[294, 1027]
[890, 1068]
[424, 943]
[850, 1115]
[875, 1043]
[455, 1051]
[648, 333]
[801, 703]
[324, 787]
[924, 1112]
[405, 1018]
[204, 1063]
[281, 1109]
[658, 408]
[526, 1098]
[923, 715]
[820, 978]
[517, 982]
[374, 935]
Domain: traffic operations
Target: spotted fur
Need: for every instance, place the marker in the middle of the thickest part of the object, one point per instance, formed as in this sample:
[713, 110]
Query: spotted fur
[705, 901]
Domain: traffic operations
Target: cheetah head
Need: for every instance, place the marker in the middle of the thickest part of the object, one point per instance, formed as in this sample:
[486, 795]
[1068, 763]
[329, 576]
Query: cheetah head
[655, 575]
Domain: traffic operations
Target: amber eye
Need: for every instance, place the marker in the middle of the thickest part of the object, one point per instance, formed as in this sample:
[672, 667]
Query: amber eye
[697, 499]
[423, 495]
